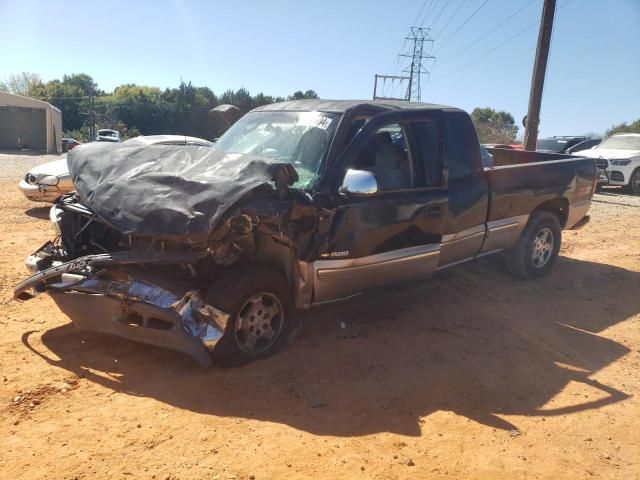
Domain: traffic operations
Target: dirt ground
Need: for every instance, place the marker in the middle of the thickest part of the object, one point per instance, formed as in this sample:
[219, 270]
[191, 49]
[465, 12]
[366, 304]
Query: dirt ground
[473, 375]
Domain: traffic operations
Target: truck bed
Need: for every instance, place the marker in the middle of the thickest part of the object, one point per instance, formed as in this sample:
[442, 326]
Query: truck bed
[506, 156]
[521, 180]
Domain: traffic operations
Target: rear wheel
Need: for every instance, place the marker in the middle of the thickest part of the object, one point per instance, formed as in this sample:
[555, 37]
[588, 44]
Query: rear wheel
[537, 248]
[261, 313]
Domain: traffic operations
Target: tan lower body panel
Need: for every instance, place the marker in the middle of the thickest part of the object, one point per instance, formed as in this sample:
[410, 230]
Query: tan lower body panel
[335, 279]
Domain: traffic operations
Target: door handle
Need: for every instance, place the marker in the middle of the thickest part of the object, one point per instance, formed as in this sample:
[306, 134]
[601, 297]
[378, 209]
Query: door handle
[434, 212]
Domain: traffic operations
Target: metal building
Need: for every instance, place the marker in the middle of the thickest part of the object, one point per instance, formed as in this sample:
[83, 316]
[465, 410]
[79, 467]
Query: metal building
[27, 123]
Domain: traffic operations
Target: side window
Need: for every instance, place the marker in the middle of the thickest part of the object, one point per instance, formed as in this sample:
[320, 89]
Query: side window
[426, 152]
[386, 156]
[461, 147]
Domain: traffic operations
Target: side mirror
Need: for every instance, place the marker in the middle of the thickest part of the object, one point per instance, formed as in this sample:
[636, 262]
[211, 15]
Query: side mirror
[359, 182]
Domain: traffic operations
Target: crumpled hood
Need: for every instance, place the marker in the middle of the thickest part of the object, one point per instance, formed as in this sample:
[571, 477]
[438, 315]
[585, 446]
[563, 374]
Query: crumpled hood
[56, 168]
[608, 153]
[166, 191]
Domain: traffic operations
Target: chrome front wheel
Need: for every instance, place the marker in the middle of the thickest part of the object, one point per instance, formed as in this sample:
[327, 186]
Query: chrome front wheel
[259, 323]
[262, 320]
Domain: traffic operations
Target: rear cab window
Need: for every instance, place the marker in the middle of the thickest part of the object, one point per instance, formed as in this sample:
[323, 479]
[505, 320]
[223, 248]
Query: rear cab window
[461, 146]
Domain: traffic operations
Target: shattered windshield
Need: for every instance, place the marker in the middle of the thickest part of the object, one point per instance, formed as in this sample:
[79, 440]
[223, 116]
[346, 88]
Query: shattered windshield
[300, 138]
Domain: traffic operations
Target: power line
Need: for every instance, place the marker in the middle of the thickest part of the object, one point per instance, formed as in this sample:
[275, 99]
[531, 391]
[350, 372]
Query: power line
[415, 22]
[492, 50]
[456, 31]
[394, 65]
[450, 18]
[427, 12]
[435, 20]
[513, 37]
[415, 70]
[488, 33]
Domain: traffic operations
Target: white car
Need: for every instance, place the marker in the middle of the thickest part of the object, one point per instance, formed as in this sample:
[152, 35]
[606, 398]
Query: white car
[49, 181]
[107, 135]
[621, 152]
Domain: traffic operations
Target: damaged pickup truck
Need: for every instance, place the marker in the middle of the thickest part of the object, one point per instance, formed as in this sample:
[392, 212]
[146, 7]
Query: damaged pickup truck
[210, 251]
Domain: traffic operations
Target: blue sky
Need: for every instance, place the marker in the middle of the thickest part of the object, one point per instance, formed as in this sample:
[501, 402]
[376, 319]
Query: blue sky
[335, 47]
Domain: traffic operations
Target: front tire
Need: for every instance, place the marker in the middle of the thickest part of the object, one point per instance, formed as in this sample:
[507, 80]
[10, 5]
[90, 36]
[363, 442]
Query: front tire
[262, 320]
[537, 249]
[634, 183]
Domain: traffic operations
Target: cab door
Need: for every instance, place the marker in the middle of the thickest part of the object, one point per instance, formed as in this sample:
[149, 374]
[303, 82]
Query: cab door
[391, 201]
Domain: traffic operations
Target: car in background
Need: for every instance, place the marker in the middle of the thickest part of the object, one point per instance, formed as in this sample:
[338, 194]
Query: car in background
[107, 135]
[513, 146]
[69, 143]
[603, 179]
[49, 181]
[498, 145]
[585, 145]
[558, 144]
[170, 140]
[620, 156]
[487, 158]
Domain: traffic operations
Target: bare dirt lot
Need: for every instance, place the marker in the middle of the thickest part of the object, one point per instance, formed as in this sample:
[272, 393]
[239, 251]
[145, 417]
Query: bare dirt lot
[471, 375]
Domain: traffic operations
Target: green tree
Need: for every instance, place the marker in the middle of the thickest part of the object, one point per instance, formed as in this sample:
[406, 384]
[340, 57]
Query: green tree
[69, 99]
[240, 98]
[136, 109]
[300, 95]
[21, 84]
[71, 96]
[633, 127]
[261, 99]
[494, 126]
[82, 81]
[136, 106]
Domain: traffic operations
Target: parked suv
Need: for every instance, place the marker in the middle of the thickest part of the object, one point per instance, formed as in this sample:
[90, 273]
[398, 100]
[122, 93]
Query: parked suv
[620, 155]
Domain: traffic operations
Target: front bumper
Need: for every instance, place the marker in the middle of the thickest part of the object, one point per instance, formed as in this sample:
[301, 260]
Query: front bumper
[603, 177]
[136, 306]
[617, 176]
[39, 193]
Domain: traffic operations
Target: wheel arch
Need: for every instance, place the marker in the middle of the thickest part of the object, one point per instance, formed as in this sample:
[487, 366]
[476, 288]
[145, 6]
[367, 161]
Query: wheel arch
[278, 255]
[556, 206]
[634, 172]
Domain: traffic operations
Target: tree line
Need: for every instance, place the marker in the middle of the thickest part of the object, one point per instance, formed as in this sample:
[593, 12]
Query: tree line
[136, 109]
[145, 110]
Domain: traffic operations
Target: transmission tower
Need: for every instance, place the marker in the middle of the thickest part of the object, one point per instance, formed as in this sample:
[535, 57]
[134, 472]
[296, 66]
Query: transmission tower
[416, 69]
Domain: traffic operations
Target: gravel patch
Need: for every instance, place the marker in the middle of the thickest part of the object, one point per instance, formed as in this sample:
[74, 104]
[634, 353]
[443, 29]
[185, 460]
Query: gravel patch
[615, 202]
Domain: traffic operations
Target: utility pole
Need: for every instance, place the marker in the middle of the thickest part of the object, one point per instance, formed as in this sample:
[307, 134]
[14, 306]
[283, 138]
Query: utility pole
[416, 69]
[539, 71]
[92, 127]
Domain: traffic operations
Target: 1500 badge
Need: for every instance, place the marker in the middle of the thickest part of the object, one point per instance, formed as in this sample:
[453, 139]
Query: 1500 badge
[344, 253]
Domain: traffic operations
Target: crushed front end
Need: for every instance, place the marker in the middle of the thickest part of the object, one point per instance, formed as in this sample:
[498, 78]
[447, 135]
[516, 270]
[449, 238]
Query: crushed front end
[146, 291]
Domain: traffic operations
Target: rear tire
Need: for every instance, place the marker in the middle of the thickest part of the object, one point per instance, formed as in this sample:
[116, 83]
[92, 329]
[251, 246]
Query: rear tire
[537, 249]
[262, 320]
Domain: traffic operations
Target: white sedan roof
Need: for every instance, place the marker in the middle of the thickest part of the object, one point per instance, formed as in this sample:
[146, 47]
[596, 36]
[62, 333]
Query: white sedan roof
[172, 140]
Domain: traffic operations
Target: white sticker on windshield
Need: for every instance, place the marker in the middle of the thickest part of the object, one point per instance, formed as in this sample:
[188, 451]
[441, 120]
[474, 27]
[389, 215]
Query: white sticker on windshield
[314, 119]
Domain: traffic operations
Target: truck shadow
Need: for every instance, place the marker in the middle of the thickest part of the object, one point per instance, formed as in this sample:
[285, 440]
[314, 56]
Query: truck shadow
[472, 341]
[41, 212]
